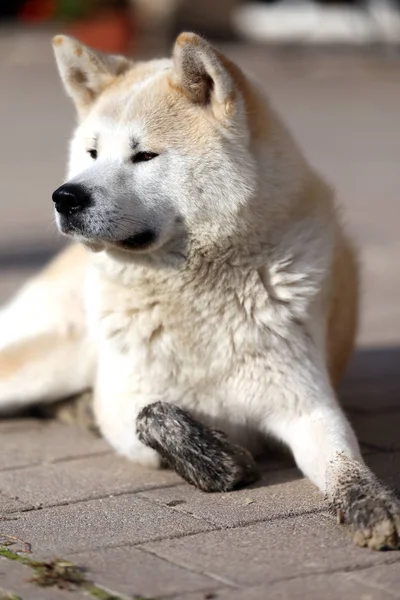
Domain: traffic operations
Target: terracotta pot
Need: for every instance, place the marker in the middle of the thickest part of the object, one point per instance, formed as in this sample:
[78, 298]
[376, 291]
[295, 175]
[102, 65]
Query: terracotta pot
[109, 31]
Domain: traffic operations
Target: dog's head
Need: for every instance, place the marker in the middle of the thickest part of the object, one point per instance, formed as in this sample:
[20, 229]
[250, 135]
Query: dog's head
[164, 150]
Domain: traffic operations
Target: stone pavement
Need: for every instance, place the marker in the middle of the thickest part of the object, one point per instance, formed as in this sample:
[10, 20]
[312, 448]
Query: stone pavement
[147, 534]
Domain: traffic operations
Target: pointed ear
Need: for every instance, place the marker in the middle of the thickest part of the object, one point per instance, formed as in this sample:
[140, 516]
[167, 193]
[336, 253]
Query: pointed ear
[84, 72]
[204, 75]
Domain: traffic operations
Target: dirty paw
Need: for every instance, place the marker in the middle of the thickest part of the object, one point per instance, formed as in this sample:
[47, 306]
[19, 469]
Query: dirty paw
[373, 513]
[203, 456]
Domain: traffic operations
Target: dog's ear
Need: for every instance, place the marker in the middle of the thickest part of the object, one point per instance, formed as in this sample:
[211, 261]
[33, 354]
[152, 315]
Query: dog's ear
[85, 73]
[205, 75]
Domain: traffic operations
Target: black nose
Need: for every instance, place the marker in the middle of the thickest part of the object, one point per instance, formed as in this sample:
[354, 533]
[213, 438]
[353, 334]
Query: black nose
[71, 198]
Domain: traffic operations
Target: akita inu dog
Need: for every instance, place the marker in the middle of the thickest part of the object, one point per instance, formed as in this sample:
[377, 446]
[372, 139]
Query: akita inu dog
[212, 299]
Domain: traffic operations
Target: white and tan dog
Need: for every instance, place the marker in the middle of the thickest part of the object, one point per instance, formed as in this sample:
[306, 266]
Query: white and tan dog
[217, 303]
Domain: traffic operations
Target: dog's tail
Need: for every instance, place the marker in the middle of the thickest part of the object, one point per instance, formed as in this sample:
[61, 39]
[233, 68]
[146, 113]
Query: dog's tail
[203, 456]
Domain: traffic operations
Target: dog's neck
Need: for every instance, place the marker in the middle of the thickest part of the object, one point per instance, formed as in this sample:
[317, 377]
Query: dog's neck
[188, 259]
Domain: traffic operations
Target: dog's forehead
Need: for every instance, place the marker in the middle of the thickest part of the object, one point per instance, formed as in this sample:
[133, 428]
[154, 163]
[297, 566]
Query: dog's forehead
[143, 103]
[125, 90]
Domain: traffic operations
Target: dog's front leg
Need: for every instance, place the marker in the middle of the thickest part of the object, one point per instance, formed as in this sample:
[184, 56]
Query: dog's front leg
[115, 413]
[203, 456]
[308, 418]
[152, 432]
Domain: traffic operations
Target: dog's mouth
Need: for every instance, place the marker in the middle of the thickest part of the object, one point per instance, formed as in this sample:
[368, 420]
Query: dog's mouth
[75, 228]
[139, 241]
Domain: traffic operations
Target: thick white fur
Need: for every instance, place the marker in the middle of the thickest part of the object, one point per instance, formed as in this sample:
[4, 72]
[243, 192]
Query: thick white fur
[228, 313]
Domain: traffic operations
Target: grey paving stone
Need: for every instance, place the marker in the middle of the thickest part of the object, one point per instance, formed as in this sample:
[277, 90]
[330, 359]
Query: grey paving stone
[385, 577]
[14, 578]
[26, 424]
[380, 430]
[133, 572]
[337, 586]
[45, 443]
[9, 504]
[275, 458]
[277, 494]
[374, 393]
[372, 383]
[371, 396]
[97, 523]
[387, 467]
[368, 364]
[366, 450]
[266, 552]
[81, 479]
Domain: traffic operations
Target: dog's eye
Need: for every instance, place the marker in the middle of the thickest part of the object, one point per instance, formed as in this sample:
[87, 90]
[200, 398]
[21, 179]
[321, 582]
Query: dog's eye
[93, 153]
[143, 156]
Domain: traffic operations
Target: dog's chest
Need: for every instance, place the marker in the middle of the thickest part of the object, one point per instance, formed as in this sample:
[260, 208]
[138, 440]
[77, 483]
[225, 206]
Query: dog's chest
[188, 335]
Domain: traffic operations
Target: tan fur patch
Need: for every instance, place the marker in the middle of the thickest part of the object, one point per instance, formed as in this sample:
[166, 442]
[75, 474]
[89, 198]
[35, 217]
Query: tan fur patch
[257, 113]
[343, 310]
[176, 87]
[123, 83]
[188, 38]
[256, 109]
[16, 357]
[58, 40]
[230, 104]
[78, 75]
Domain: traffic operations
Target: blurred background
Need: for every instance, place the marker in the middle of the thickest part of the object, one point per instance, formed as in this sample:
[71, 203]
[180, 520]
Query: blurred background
[331, 68]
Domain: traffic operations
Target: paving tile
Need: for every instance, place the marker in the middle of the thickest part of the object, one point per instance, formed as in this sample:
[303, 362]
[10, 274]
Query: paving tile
[275, 458]
[45, 443]
[372, 394]
[387, 467]
[336, 586]
[220, 594]
[81, 479]
[381, 430]
[14, 578]
[385, 577]
[97, 523]
[372, 363]
[133, 572]
[366, 450]
[265, 552]
[12, 425]
[277, 494]
[9, 504]
[372, 382]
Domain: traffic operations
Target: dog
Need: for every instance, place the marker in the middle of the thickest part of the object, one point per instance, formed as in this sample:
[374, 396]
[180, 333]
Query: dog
[210, 296]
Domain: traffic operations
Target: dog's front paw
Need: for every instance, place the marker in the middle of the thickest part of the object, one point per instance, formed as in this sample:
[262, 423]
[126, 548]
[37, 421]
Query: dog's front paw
[203, 456]
[362, 502]
[373, 513]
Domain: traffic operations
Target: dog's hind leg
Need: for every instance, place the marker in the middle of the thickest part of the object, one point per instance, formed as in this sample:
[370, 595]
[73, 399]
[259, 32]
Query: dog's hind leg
[44, 351]
[203, 456]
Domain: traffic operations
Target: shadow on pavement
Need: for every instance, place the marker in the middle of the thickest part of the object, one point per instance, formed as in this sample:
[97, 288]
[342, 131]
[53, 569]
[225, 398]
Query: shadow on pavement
[372, 382]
